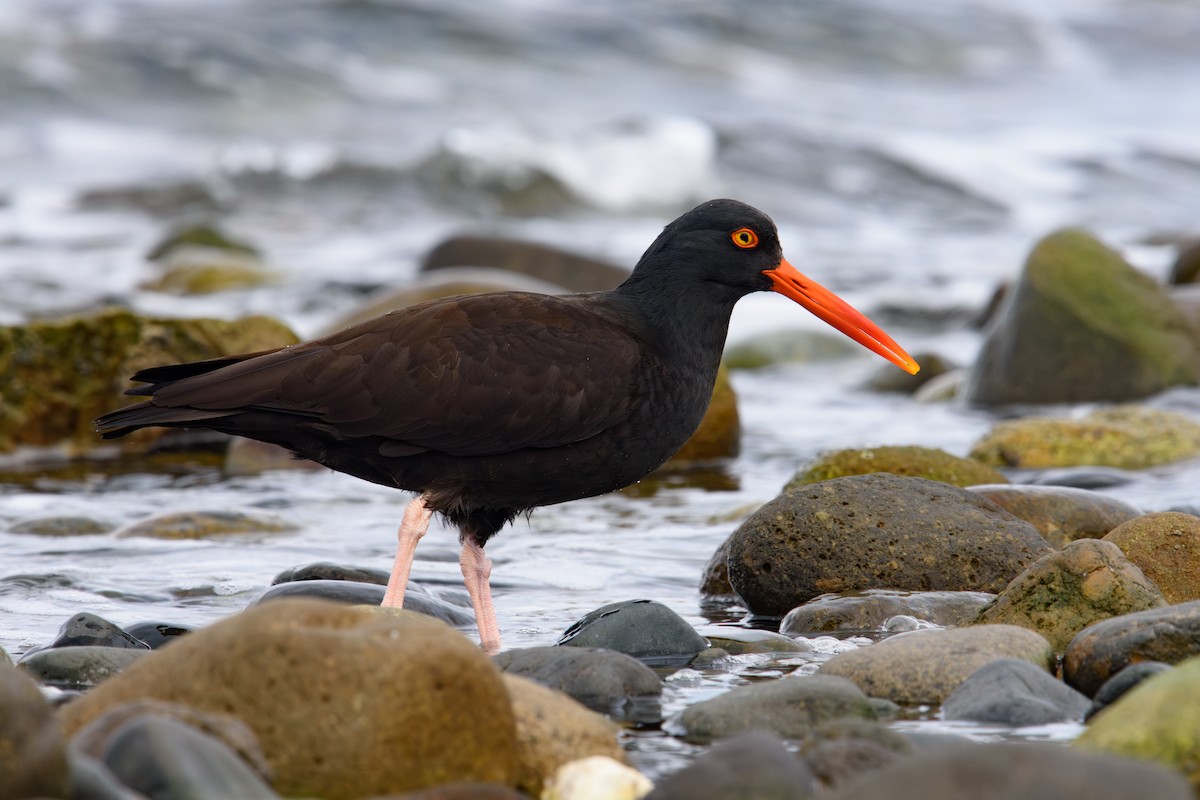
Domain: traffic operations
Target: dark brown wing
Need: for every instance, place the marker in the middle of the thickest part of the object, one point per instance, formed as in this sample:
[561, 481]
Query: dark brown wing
[473, 375]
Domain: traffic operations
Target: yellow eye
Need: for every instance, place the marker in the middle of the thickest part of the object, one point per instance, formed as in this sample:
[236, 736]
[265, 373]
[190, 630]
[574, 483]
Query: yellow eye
[744, 238]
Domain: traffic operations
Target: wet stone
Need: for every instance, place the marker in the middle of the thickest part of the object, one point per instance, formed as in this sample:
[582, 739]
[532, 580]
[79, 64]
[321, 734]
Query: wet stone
[1166, 546]
[755, 764]
[790, 707]
[873, 610]
[572, 271]
[326, 571]
[91, 779]
[89, 629]
[61, 526]
[367, 594]
[739, 641]
[889, 379]
[603, 680]
[644, 629]
[841, 750]
[910, 461]
[33, 761]
[79, 667]
[1061, 514]
[162, 757]
[157, 634]
[594, 777]
[205, 524]
[1010, 691]
[1115, 687]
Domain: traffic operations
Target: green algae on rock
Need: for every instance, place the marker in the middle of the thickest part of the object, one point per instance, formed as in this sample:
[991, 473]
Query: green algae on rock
[61, 374]
[909, 461]
[1128, 437]
[1082, 325]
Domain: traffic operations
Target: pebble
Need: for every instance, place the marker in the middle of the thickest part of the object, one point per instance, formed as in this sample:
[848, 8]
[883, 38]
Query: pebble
[1010, 691]
[79, 667]
[89, 629]
[367, 594]
[1115, 687]
[157, 634]
[606, 681]
[754, 764]
[644, 629]
[876, 610]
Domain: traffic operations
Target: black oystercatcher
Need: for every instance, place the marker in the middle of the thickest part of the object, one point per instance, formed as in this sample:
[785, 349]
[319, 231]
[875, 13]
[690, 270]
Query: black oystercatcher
[492, 405]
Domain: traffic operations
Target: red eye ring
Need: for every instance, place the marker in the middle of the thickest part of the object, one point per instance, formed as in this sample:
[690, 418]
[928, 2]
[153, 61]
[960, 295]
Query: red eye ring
[744, 238]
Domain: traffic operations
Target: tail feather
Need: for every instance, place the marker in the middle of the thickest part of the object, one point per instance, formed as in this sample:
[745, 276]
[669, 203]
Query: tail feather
[117, 423]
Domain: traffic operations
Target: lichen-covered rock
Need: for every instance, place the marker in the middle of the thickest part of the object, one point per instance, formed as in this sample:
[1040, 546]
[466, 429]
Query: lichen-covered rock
[1065, 591]
[61, 374]
[1129, 437]
[877, 531]
[345, 704]
[1082, 325]
[1166, 546]
[1062, 514]
[199, 236]
[910, 461]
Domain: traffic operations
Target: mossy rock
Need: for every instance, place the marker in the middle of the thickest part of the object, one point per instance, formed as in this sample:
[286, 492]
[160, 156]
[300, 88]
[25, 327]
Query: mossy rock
[908, 461]
[1128, 437]
[199, 236]
[787, 347]
[197, 270]
[1082, 325]
[62, 374]
[720, 432]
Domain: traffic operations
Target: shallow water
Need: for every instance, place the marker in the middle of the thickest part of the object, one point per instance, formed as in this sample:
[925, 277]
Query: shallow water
[910, 156]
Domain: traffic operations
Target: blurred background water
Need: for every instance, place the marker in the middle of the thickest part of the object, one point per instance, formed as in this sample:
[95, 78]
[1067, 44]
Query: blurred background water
[910, 153]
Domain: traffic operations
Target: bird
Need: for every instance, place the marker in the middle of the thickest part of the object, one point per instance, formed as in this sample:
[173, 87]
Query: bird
[489, 406]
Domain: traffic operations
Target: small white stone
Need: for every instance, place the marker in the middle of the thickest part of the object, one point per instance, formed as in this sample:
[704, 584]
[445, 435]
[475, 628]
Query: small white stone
[596, 778]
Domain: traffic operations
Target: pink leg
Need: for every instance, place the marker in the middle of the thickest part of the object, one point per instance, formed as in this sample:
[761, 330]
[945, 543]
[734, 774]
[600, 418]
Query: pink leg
[412, 528]
[476, 570]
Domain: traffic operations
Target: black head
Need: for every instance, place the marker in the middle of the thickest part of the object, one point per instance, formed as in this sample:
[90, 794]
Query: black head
[722, 247]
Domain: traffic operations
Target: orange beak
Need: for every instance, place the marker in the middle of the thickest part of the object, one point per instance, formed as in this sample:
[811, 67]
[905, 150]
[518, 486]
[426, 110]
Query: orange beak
[826, 305]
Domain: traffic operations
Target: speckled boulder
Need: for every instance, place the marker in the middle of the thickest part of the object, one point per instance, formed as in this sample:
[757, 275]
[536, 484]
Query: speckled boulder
[911, 461]
[1129, 437]
[1166, 546]
[1061, 513]
[1170, 635]
[925, 666]
[33, 759]
[345, 704]
[1082, 325]
[877, 531]
[1064, 592]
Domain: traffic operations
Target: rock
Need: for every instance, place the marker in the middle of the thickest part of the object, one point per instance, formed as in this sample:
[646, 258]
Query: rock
[875, 531]
[787, 347]
[33, 760]
[925, 666]
[1115, 687]
[1186, 267]
[945, 388]
[165, 198]
[1010, 691]
[1099, 651]
[61, 374]
[553, 730]
[206, 525]
[1064, 592]
[714, 582]
[1166, 546]
[79, 667]
[156, 634]
[194, 270]
[199, 236]
[754, 765]
[574, 272]
[61, 526]
[1061, 514]
[644, 629]
[790, 707]
[933, 365]
[1128, 437]
[603, 680]
[595, 778]
[327, 571]
[369, 595]
[870, 611]
[162, 757]
[92, 780]
[1157, 721]
[1082, 325]
[840, 751]
[1011, 771]
[720, 431]
[916, 462]
[89, 629]
[1085, 477]
[404, 701]
[739, 641]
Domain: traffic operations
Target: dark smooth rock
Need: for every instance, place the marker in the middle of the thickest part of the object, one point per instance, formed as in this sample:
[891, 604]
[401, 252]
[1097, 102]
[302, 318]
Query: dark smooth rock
[1055, 341]
[1016, 772]
[573, 272]
[1061, 514]
[1186, 267]
[871, 610]
[367, 594]
[790, 707]
[842, 750]
[91, 779]
[1010, 691]
[33, 760]
[644, 629]
[603, 680]
[326, 571]
[79, 667]
[157, 634]
[1084, 477]
[164, 758]
[876, 531]
[753, 765]
[893, 380]
[1115, 687]
[1100, 651]
[89, 629]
